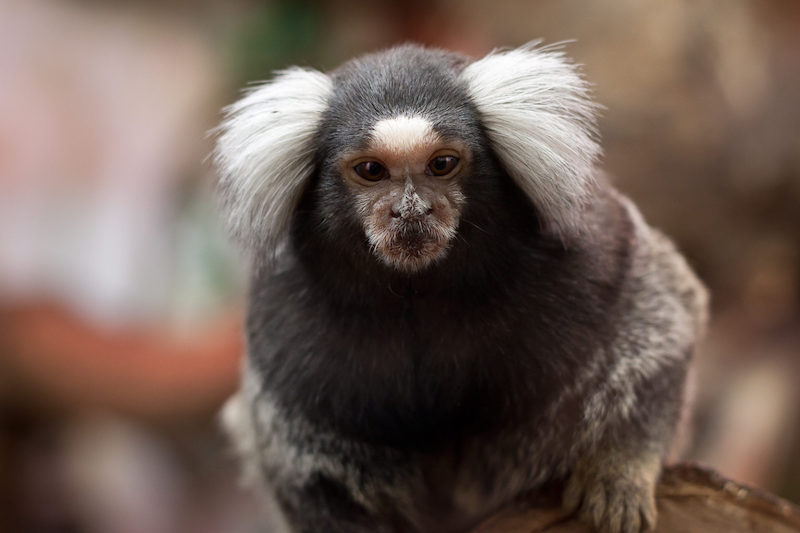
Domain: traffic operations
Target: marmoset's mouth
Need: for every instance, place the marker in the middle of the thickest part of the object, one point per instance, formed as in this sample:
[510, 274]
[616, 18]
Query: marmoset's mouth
[411, 245]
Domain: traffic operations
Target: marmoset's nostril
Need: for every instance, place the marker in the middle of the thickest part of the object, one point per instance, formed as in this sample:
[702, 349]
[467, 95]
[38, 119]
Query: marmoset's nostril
[398, 212]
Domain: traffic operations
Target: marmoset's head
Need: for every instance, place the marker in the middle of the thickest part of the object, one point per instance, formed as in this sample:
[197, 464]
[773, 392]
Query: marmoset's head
[391, 142]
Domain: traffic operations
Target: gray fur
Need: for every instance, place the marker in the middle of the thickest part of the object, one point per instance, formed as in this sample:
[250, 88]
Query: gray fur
[376, 400]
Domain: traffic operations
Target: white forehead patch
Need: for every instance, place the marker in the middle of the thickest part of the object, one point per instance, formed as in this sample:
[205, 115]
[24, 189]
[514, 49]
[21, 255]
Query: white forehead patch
[403, 134]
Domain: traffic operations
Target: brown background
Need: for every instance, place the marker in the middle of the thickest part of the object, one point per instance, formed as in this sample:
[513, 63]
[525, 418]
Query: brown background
[120, 300]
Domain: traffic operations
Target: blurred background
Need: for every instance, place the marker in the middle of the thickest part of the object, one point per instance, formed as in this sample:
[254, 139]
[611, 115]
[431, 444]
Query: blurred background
[121, 301]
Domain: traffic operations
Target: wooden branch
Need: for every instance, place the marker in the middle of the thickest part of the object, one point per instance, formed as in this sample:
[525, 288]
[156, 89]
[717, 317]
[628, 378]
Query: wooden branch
[691, 499]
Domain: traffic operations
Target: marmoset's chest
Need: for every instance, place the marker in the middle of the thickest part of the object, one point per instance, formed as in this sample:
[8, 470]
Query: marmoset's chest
[419, 374]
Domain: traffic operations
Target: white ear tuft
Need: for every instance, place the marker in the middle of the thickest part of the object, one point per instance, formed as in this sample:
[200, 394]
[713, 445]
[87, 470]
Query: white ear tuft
[536, 109]
[265, 155]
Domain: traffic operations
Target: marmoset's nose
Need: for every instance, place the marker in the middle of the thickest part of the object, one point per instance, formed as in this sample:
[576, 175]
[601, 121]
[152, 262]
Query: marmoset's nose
[411, 204]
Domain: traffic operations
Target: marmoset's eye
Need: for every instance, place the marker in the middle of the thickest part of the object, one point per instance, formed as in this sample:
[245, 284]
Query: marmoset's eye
[442, 165]
[370, 170]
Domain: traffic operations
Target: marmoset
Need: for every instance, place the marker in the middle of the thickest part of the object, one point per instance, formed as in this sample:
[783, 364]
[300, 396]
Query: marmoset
[449, 303]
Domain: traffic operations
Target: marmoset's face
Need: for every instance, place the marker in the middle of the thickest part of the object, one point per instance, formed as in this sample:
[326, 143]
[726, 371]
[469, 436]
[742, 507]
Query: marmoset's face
[401, 138]
[406, 189]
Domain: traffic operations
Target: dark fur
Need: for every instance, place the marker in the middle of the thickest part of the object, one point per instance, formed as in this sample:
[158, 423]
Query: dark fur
[417, 384]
